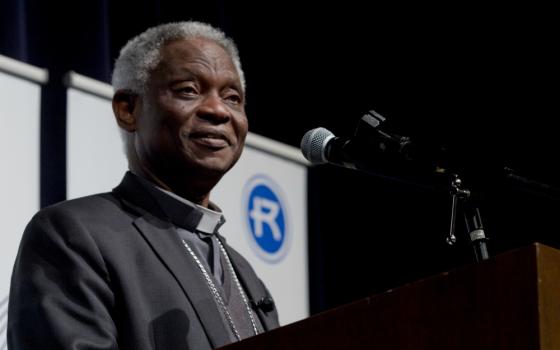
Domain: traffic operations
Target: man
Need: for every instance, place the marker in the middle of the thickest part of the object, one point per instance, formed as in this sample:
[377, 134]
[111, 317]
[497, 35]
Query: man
[143, 267]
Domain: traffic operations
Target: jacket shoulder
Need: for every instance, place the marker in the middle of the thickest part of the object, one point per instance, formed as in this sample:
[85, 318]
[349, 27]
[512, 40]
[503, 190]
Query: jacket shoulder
[77, 216]
[95, 202]
[97, 206]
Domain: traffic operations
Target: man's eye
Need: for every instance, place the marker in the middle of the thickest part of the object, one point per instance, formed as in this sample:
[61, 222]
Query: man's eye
[233, 98]
[187, 90]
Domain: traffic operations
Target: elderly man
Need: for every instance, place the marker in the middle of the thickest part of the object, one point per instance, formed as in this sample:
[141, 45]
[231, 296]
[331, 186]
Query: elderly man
[144, 267]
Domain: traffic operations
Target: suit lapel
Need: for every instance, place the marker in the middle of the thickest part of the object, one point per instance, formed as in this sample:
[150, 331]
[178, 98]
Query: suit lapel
[162, 237]
[169, 249]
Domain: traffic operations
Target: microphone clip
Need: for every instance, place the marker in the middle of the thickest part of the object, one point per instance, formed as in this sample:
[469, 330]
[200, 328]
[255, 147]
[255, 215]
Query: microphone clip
[370, 125]
[266, 304]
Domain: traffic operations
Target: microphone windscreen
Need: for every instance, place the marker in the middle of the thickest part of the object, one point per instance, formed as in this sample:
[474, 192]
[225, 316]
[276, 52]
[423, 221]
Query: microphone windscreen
[313, 145]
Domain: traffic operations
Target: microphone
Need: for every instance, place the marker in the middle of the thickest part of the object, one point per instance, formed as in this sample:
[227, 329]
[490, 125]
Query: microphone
[374, 151]
[397, 158]
[368, 145]
[320, 146]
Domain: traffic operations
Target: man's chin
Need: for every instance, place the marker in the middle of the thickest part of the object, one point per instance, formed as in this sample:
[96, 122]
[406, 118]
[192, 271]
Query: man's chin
[211, 167]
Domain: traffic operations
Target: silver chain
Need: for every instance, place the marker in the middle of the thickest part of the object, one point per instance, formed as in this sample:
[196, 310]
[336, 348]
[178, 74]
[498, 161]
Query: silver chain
[216, 293]
[241, 291]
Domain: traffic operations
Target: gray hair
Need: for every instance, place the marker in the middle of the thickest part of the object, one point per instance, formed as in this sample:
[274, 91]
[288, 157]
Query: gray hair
[143, 53]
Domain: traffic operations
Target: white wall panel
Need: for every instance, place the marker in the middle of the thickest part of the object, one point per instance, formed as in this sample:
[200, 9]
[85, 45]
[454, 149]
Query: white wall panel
[19, 176]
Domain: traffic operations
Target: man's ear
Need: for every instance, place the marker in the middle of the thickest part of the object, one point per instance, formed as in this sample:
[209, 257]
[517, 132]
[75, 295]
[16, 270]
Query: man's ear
[125, 108]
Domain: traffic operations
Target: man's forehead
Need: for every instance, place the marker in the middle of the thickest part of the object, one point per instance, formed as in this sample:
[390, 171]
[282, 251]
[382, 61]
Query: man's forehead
[196, 55]
[194, 48]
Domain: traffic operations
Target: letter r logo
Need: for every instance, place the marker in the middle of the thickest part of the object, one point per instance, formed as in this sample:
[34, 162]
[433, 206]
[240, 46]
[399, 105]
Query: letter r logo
[266, 218]
[265, 211]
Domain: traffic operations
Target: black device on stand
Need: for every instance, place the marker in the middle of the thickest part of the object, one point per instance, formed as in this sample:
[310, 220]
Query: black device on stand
[387, 155]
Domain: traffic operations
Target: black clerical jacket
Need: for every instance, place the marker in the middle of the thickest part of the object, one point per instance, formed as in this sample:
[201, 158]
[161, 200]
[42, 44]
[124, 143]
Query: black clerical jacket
[108, 271]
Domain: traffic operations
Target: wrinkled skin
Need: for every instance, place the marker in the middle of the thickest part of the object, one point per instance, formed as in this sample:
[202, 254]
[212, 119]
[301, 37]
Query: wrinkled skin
[189, 128]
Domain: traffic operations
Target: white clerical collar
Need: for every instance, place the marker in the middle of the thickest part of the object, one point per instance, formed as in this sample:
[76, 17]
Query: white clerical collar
[211, 219]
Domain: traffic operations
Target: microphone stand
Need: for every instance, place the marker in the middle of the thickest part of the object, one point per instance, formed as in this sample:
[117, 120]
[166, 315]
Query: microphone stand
[383, 146]
[471, 214]
[386, 142]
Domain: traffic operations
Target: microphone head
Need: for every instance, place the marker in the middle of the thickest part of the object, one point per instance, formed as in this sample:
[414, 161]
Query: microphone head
[313, 145]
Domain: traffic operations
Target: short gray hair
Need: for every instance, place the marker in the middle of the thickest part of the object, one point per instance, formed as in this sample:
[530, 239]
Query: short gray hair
[143, 53]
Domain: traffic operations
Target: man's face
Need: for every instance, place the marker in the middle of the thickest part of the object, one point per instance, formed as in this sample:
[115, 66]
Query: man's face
[192, 117]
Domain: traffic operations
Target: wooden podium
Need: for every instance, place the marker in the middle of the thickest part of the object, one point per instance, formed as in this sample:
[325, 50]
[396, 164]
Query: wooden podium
[510, 302]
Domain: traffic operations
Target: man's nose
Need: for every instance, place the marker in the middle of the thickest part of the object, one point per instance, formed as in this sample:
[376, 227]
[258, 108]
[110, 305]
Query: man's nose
[212, 108]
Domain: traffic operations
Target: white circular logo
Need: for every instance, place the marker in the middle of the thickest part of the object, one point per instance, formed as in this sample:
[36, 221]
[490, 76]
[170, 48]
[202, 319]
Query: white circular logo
[266, 218]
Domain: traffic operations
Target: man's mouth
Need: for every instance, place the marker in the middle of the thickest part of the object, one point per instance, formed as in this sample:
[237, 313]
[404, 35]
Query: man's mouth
[214, 140]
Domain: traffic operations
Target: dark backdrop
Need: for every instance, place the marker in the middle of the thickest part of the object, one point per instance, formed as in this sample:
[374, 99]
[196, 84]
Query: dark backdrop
[479, 80]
